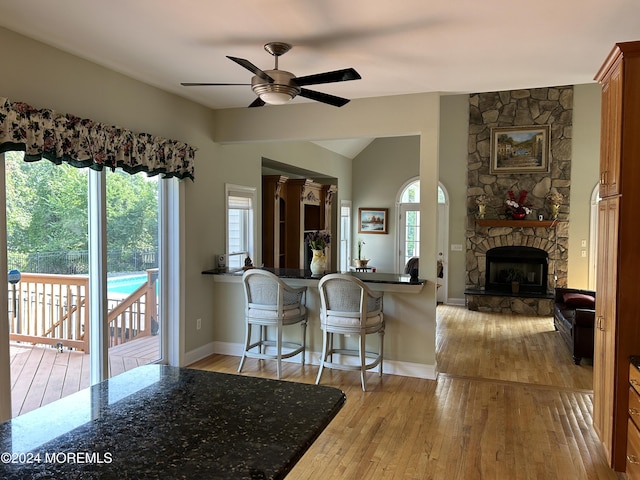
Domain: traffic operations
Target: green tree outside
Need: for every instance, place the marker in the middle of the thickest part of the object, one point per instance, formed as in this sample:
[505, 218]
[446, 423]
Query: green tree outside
[47, 209]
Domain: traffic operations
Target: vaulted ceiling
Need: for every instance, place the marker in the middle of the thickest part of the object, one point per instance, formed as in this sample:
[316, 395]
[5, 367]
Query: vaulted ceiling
[400, 47]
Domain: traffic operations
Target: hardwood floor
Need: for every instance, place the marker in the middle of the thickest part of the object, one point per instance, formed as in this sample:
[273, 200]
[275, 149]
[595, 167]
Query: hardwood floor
[507, 347]
[509, 404]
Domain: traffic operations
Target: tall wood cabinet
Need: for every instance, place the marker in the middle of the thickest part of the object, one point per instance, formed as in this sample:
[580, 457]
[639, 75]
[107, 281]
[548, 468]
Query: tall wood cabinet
[274, 216]
[291, 208]
[617, 332]
[604, 366]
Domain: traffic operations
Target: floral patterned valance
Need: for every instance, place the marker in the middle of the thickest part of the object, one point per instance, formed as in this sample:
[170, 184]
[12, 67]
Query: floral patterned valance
[60, 137]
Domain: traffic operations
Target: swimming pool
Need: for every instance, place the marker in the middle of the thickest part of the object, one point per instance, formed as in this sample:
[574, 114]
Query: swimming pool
[125, 284]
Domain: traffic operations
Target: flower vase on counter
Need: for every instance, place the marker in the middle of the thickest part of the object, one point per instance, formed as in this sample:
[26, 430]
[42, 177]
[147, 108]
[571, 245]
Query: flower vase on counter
[318, 262]
[318, 241]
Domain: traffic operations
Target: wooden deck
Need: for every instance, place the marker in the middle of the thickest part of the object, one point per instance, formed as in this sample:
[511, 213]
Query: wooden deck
[40, 375]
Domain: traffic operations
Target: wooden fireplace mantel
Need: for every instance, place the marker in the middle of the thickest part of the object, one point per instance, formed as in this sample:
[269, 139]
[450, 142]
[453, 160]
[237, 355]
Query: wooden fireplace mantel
[517, 223]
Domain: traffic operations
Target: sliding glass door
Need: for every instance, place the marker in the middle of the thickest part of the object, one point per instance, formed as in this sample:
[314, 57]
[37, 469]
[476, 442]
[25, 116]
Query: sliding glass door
[47, 257]
[52, 234]
[134, 334]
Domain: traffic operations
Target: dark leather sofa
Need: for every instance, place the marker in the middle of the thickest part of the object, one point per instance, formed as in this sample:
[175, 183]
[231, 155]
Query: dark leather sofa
[573, 317]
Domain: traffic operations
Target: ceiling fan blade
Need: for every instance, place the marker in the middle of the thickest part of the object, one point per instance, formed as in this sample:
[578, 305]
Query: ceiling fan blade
[258, 102]
[324, 97]
[195, 84]
[328, 77]
[252, 68]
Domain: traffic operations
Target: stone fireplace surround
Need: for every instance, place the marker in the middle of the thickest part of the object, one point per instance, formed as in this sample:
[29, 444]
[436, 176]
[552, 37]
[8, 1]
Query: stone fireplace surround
[541, 106]
[488, 237]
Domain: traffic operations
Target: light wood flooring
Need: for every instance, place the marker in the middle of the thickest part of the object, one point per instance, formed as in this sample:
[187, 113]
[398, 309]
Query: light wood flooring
[41, 375]
[508, 404]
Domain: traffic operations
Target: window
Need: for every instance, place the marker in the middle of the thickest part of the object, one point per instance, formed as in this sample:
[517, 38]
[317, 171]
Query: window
[240, 205]
[409, 209]
[345, 235]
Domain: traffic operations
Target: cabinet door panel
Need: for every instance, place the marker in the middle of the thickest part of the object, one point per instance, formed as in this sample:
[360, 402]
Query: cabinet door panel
[605, 328]
[611, 137]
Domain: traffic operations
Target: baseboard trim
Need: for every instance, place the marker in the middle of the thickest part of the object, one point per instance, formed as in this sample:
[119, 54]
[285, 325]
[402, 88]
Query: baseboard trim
[459, 302]
[199, 353]
[391, 367]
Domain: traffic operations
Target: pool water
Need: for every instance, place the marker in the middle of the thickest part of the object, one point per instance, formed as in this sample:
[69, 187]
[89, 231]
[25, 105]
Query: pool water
[125, 284]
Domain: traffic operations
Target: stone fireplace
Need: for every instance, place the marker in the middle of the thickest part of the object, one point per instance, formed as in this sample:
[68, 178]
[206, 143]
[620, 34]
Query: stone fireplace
[546, 240]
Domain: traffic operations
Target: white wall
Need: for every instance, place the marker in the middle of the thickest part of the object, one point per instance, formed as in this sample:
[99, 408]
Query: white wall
[584, 177]
[378, 174]
[454, 131]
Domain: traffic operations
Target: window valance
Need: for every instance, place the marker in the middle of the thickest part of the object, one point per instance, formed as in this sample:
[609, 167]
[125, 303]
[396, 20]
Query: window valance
[59, 137]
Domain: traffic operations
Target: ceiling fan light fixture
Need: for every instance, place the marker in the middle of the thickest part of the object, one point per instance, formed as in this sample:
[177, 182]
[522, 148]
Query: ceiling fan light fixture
[279, 92]
[278, 87]
[275, 98]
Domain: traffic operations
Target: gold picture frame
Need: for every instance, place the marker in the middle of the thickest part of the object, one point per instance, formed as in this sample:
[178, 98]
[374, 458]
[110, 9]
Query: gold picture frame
[373, 220]
[520, 149]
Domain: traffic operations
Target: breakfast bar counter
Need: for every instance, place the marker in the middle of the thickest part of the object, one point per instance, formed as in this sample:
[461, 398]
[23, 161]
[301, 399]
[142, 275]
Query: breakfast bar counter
[407, 306]
[166, 422]
[380, 281]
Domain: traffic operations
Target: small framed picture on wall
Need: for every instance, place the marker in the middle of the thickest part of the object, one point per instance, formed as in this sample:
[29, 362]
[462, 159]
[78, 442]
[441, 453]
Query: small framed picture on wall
[372, 220]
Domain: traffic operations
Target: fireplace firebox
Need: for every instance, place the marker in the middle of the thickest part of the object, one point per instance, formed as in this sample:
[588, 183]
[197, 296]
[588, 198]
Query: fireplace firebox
[528, 266]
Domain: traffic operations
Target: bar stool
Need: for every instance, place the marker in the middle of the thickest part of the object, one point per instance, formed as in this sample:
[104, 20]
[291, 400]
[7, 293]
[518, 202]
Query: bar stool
[349, 307]
[269, 302]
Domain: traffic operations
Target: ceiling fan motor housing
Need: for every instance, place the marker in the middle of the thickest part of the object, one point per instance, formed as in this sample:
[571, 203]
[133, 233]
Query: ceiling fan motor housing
[282, 83]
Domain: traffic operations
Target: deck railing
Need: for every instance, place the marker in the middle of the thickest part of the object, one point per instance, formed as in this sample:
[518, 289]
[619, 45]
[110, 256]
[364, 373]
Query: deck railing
[53, 310]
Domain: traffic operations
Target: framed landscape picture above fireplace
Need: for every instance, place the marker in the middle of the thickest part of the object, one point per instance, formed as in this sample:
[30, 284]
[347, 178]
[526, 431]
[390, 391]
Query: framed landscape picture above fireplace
[520, 149]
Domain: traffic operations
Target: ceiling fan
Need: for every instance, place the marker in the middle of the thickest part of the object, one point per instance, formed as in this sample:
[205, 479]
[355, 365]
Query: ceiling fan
[277, 87]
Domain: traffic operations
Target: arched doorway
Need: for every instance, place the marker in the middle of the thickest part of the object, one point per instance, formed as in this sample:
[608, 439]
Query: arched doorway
[408, 202]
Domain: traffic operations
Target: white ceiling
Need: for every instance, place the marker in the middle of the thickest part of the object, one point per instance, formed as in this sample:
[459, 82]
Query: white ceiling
[399, 47]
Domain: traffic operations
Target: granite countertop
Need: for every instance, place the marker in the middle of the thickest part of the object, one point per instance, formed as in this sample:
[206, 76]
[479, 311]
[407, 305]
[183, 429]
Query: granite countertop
[157, 422]
[368, 277]
[635, 361]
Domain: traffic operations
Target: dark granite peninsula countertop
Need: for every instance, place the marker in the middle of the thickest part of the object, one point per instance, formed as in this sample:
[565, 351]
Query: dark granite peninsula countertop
[635, 361]
[160, 422]
[291, 273]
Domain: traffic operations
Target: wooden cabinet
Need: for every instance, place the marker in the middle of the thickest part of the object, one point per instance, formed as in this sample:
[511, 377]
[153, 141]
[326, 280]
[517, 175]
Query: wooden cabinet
[309, 209]
[633, 434]
[617, 333]
[605, 324]
[291, 208]
[274, 215]
[611, 131]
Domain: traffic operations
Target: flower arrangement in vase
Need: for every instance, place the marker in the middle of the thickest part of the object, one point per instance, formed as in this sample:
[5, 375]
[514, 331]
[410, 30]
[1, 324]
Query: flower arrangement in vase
[517, 208]
[360, 261]
[318, 241]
